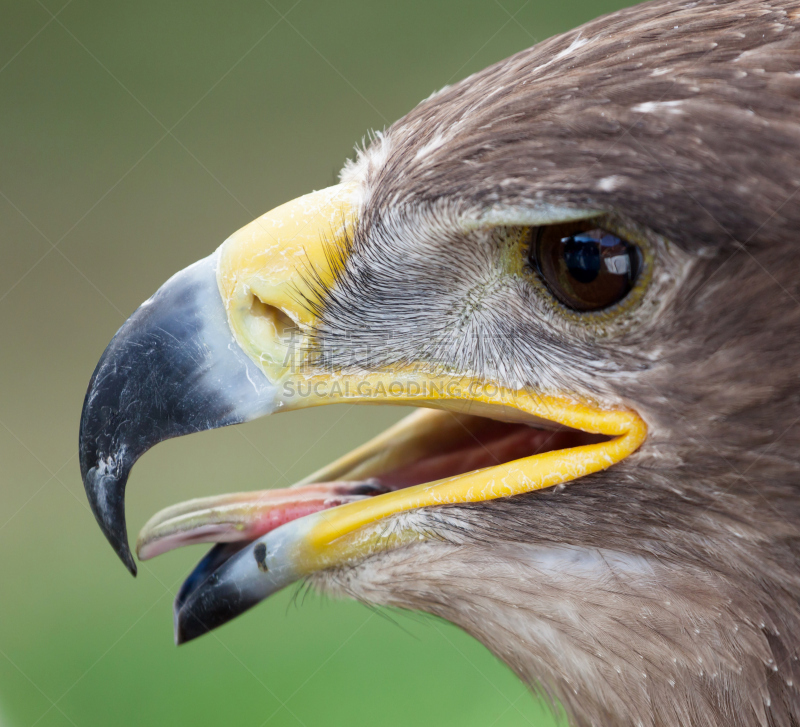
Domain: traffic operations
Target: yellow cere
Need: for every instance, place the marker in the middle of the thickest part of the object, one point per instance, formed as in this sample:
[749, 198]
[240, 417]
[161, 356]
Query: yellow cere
[263, 270]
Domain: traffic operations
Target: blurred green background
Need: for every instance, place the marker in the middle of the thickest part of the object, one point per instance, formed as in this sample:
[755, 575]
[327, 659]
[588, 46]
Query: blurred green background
[134, 137]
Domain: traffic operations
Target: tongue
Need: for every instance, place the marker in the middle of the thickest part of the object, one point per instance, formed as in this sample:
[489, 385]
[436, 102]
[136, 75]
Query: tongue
[242, 516]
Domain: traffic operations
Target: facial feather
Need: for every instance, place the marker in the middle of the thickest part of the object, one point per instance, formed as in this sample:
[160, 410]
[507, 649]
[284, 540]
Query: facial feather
[666, 590]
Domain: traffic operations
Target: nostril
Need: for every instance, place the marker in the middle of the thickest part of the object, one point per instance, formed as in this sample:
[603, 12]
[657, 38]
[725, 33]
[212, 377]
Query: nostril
[259, 308]
[282, 323]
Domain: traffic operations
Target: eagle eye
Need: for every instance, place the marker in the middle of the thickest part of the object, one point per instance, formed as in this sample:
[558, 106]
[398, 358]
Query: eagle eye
[586, 267]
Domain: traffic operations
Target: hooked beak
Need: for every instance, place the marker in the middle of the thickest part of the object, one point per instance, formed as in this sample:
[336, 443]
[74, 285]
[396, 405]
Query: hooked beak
[173, 368]
[228, 340]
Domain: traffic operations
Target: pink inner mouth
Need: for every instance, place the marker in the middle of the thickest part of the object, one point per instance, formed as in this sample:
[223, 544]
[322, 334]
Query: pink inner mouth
[249, 515]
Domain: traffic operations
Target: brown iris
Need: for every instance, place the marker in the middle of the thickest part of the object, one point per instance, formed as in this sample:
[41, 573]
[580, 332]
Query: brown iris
[585, 266]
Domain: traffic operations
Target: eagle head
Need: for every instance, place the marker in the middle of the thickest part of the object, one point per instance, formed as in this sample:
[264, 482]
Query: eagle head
[581, 264]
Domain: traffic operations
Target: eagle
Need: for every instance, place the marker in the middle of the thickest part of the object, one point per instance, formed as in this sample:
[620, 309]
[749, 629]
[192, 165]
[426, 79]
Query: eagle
[582, 266]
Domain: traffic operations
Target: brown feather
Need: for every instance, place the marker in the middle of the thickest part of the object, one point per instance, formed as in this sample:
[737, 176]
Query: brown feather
[665, 591]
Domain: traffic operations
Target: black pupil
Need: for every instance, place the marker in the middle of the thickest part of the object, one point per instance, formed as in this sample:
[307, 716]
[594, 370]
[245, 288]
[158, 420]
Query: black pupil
[582, 257]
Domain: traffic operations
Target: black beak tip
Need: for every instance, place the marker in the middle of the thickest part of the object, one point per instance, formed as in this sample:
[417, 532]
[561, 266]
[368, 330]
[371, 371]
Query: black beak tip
[106, 495]
[211, 597]
[187, 627]
[119, 541]
[199, 616]
[126, 557]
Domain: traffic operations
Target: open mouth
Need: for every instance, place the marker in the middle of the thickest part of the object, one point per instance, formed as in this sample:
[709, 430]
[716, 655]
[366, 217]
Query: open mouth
[270, 538]
[425, 447]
